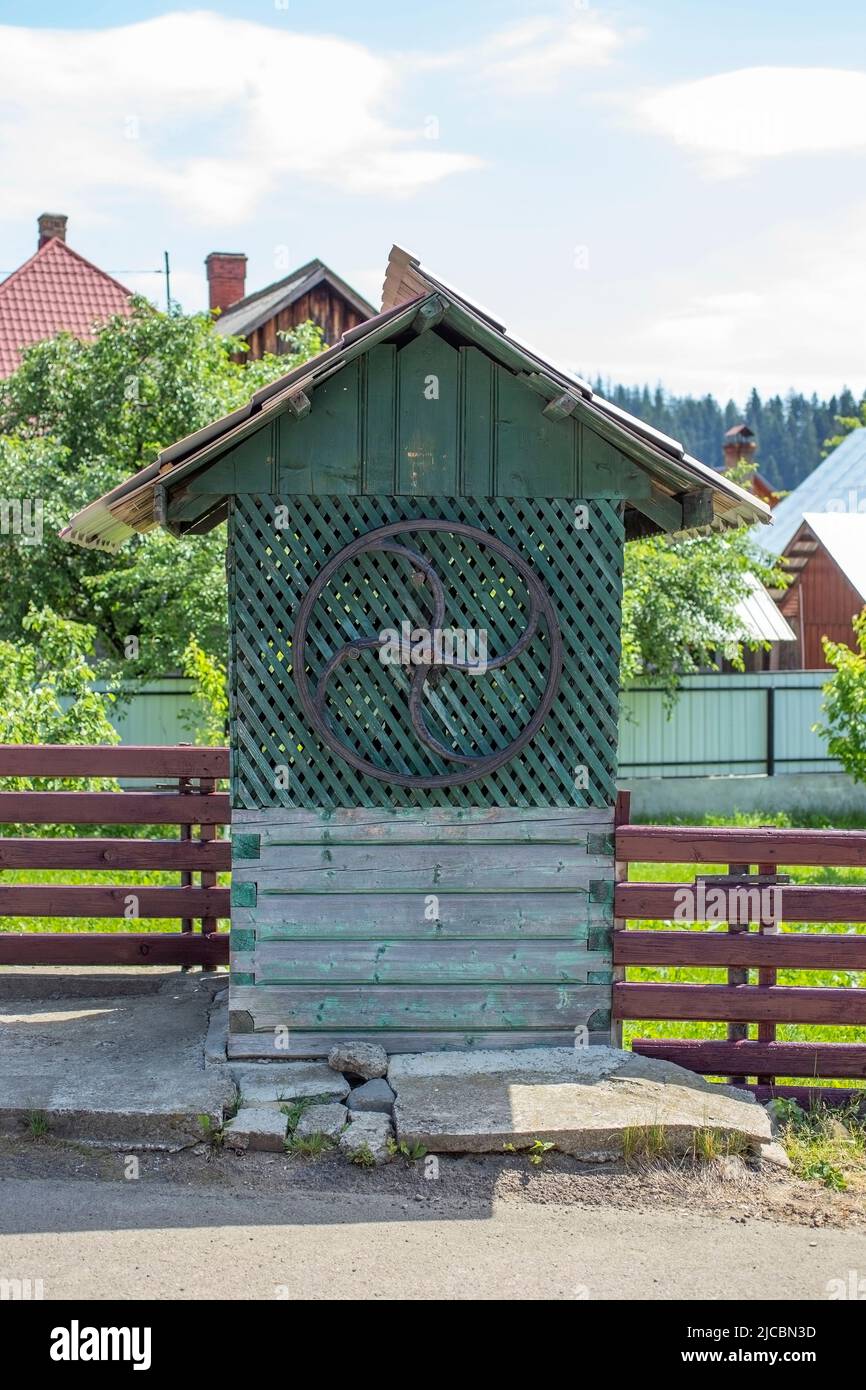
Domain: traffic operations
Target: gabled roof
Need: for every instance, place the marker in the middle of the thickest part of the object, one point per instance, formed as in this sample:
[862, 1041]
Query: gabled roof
[836, 486]
[250, 313]
[410, 293]
[56, 290]
[843, 536]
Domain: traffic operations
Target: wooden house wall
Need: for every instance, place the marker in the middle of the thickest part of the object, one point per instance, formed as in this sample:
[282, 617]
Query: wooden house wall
[820, 604]
[324, 305]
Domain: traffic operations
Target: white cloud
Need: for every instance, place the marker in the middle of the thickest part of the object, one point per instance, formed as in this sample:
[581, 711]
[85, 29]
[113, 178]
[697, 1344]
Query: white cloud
[737, 118]
[204, 112]
[789, 314]
[534, 54]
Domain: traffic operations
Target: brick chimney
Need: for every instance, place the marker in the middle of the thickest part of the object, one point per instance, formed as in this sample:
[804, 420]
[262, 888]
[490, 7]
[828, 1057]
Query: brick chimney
[739, 443]
[52, 224]
[226, 278]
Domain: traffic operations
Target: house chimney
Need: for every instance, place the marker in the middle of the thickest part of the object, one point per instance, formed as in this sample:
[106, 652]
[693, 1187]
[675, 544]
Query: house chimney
[52, 224]
[739, 443]
[226, 278]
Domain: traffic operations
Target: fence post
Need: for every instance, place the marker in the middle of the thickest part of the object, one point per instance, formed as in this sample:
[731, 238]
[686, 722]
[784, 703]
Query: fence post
[207, 876]
[767, 975]
[771, 731]
[738, 975]
[621, 816]
[183, 785]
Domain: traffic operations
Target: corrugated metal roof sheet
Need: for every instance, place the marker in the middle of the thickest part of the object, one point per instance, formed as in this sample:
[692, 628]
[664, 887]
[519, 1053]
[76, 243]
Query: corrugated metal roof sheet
[838, 485]
[760, 616]
[843, 536]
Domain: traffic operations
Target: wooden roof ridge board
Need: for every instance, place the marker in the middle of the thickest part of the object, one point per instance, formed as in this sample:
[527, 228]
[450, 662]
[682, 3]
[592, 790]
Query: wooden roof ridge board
[678, 479]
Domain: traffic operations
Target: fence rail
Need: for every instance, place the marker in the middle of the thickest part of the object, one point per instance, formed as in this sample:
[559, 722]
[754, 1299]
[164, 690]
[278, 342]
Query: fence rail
[194, 802]
[753, 944]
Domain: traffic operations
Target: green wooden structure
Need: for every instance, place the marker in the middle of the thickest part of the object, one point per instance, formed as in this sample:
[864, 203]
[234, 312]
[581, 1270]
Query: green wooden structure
[422, 845]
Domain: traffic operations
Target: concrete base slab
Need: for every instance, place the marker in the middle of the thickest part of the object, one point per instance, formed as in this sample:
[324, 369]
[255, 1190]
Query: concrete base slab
[121, 1068]
[586, 1101]
[258, 1127]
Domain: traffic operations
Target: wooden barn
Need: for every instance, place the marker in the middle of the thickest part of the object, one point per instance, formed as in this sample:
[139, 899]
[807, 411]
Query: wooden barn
[827, 558]
[312, 293]
[425, 551]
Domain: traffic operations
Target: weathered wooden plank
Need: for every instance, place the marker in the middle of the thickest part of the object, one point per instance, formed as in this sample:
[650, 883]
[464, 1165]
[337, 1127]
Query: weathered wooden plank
[411, 916]
[740, 1003]
[100, 760]
[86, 900]
[809, 1096]
[426, 868]
[535, 456]
[783, 950]
[478, 379]
[489, 825]
[113, 948]
[720, 845]
[380, 418]
[427, 417]
[113, 808]
[661, 901]
[313, 1043]
[427, 1007]
[395, 962]
[92, 853]
[748, 1058]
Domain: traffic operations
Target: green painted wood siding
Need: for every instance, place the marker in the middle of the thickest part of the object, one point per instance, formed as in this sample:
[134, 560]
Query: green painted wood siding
[420, 929]
[429, 418]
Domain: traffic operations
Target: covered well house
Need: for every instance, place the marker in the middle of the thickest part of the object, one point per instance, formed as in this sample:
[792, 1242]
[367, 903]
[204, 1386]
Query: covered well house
[425, 550]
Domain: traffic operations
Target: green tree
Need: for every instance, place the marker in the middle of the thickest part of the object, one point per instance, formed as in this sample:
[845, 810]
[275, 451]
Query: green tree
[844, 704]
[78, 418]
[46, 691]
[679, 604]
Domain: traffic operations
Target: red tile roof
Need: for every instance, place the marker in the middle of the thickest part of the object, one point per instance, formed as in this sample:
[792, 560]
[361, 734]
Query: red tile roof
[56, 289]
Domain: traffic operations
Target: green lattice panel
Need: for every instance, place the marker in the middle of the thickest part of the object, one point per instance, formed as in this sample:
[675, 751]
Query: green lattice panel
[572, 759]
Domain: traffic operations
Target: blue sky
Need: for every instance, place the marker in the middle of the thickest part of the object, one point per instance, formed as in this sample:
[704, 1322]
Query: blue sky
[663, 192]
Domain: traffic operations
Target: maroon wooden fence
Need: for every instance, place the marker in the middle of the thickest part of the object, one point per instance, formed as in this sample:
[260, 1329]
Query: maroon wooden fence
[189, 800]
[744, 947]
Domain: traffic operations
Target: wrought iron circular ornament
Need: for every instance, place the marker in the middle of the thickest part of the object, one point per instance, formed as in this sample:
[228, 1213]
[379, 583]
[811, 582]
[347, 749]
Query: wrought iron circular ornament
[314, 698]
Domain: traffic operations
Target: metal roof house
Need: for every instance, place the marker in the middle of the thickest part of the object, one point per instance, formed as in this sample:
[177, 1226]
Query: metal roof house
[426, 526]
[837, 485]
[827, 555]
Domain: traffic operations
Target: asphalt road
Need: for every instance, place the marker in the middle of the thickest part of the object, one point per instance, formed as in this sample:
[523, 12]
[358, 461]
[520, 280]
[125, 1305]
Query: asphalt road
[97, 1240]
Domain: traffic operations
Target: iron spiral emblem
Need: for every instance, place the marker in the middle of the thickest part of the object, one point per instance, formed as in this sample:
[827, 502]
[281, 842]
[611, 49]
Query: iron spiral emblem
[313, 694]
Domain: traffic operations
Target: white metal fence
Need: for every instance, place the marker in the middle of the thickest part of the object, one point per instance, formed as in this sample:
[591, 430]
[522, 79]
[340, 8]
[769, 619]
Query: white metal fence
[720, 725]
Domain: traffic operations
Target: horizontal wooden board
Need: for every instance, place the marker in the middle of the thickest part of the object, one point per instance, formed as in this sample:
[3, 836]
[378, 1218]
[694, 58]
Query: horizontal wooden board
[84, 900]
[720, 845]
[412, 962]
[312, 1043]
[113, 808]
[426, 869]
[100, 760]
[740, 1003]
[659, 901]
[113, 948]
[783, 950]
[92, 853]
[496, 825]
[426, 1007]
[403, 915]
[748, 1058]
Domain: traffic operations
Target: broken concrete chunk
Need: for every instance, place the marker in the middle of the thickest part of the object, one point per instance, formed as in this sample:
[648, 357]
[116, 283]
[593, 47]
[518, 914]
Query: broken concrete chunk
[372, 1096]
[329, 1120]
[368, 1133]
[258, 1127]
[368, 1060]
[272, 1083]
